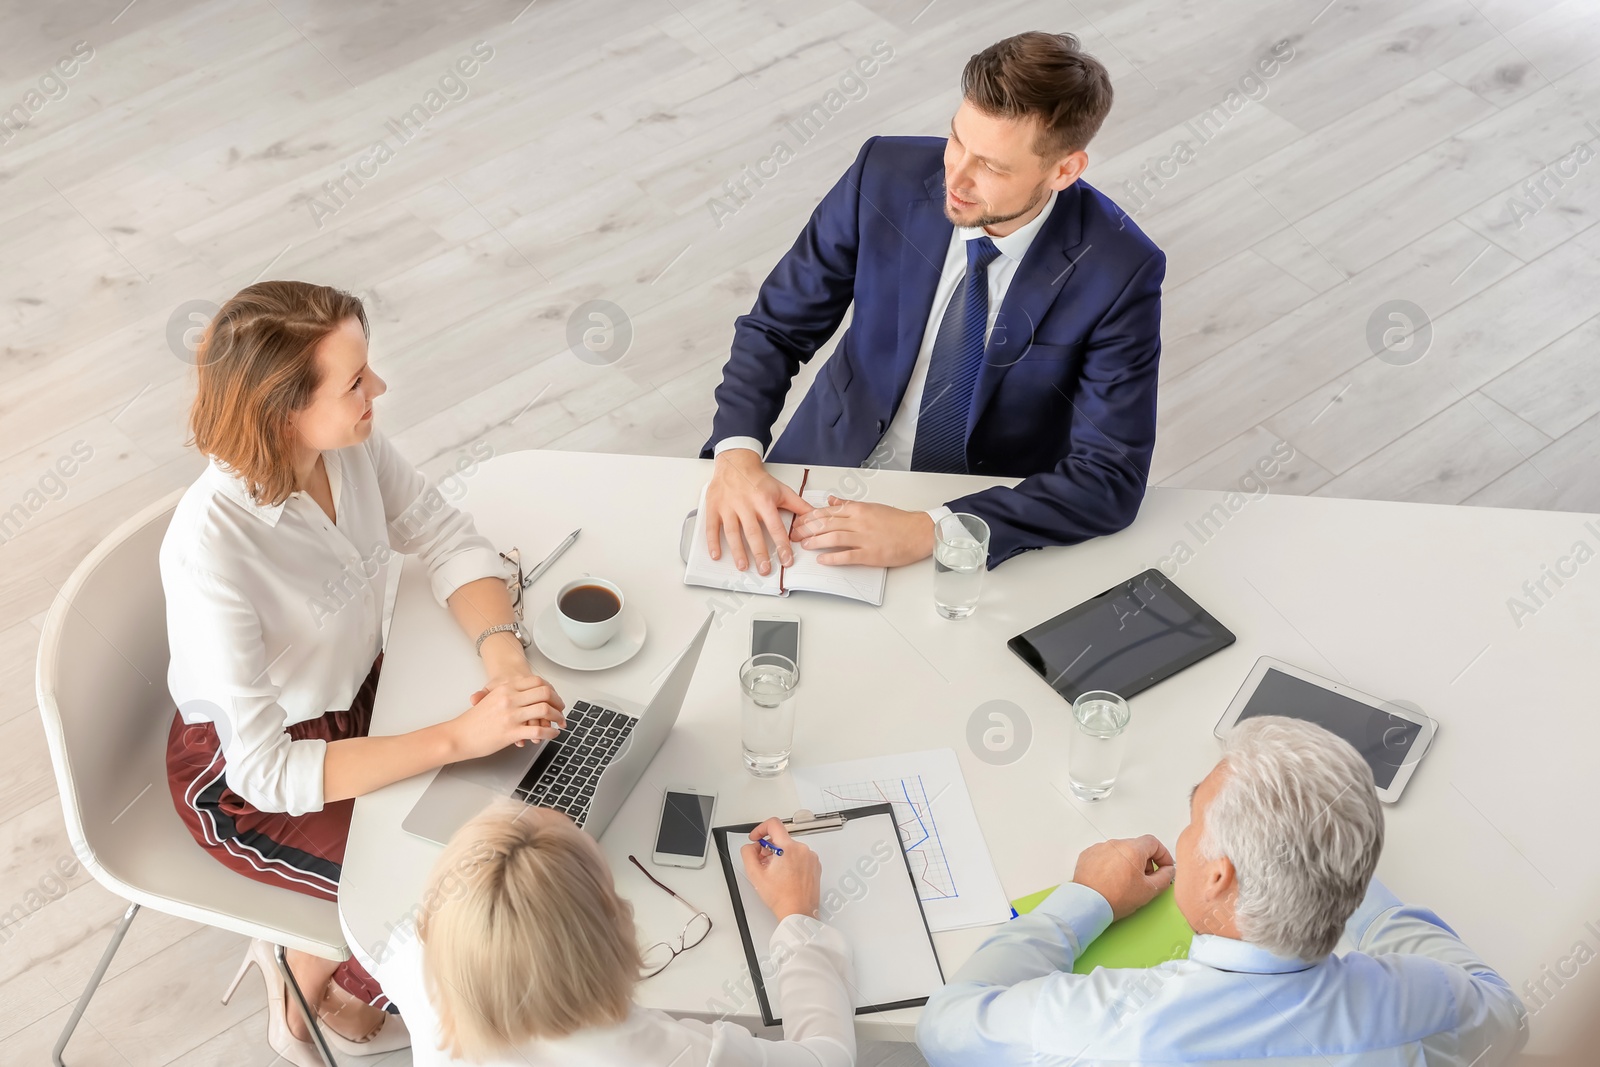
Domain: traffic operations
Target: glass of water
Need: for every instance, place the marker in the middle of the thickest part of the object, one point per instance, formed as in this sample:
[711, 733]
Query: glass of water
[1097, 744]
[768, 682]
[960, 551]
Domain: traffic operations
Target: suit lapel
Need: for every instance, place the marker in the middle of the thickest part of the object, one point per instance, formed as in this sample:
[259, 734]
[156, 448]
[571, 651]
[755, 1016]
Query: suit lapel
[1040, 277]
[925, 241]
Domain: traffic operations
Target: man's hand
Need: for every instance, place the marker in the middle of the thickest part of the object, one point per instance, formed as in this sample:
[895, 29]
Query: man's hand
[1119, 870]
[790, 884]
[853, 531]
[742, 498]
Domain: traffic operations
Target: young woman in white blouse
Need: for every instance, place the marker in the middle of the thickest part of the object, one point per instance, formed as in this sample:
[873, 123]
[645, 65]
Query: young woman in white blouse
[274, 569]
[525, 956]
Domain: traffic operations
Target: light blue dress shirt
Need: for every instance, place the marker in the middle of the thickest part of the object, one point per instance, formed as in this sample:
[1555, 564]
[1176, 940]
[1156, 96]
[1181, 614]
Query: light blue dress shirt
[1410, 995]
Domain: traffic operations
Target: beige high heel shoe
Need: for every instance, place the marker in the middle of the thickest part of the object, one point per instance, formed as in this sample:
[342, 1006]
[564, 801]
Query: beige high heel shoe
[389, 1035]
[284, 1043]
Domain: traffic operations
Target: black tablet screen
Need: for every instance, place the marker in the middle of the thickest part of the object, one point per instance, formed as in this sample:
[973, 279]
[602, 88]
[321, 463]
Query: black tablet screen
[1124, 640]
[1384, 740]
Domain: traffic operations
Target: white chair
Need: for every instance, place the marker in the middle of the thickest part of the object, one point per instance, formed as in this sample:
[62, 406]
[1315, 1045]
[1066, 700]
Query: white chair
[102, 681]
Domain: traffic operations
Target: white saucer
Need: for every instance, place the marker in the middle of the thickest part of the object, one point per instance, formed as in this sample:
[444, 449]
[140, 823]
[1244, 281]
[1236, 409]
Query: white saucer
[558, 647]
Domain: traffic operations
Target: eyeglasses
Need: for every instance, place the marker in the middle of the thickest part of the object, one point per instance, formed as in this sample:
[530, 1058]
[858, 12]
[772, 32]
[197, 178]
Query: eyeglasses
[514, 557]
[658, 955]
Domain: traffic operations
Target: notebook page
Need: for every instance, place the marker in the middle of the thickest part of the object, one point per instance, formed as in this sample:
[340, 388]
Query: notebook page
[721, 573]
[855, 581]
[850, 580]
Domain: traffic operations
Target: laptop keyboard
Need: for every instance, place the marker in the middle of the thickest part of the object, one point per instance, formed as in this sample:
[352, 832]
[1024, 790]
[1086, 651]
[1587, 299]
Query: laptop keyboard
[568, 768]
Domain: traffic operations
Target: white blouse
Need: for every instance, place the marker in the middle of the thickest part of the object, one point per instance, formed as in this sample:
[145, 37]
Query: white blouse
[275, 614]
[814, 987]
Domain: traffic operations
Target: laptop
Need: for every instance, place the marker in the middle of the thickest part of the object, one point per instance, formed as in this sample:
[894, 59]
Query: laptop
[587, 771]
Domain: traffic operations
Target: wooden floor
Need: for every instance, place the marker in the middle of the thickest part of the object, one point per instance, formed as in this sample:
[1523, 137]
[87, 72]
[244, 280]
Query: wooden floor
[1421, 168]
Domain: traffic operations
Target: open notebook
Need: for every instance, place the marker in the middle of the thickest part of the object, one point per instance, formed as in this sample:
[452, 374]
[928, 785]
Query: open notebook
[807, 572]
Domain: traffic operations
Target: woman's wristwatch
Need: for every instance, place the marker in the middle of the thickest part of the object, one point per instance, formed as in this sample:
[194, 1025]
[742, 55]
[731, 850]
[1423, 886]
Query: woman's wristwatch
[514, 627]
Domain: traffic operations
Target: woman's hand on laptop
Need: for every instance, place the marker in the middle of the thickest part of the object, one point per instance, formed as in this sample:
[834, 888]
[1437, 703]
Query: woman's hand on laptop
[790, 884]
[520, 709]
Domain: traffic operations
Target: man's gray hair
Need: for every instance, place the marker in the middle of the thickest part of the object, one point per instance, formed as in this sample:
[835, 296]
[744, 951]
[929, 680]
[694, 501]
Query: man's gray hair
[1297, 814]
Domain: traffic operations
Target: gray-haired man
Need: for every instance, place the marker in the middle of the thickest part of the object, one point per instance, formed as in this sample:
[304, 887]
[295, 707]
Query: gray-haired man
[1276, 862]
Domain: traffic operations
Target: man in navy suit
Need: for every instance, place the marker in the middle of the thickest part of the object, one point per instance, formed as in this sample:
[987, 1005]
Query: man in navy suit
[1007, 323]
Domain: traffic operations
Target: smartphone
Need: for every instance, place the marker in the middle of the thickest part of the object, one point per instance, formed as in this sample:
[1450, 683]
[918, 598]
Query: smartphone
[776, 633]
[684, 832]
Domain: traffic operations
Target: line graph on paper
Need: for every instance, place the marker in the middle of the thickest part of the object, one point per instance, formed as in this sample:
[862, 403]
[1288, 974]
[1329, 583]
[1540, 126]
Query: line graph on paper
[946, 854]
[919, 831]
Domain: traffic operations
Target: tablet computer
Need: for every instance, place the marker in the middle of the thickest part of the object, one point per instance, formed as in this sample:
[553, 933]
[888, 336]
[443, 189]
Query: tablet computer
[1392, 739]
[1124, 640]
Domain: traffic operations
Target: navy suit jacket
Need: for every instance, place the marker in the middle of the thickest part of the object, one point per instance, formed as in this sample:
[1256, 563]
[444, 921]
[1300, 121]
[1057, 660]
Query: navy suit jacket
[1066, 398]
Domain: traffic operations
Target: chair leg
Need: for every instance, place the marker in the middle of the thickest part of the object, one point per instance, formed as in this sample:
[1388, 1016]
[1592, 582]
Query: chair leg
[321, 1043]
[94, 983]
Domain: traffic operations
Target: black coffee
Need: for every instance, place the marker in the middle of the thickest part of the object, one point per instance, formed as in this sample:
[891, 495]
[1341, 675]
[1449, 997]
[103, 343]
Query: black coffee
[590, 603]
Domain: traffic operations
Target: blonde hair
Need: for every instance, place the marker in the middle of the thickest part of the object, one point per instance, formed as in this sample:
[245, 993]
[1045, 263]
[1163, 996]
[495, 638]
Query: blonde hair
[523, 934]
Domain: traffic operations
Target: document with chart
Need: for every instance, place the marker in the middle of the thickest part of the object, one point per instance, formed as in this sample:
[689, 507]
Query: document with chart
[949, 859]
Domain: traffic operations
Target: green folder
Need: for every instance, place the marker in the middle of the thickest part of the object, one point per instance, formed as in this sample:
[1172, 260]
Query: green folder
[1154, 934]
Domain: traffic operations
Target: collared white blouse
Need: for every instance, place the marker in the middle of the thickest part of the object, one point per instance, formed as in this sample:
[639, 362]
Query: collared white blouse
[275, 614]
[814, 983]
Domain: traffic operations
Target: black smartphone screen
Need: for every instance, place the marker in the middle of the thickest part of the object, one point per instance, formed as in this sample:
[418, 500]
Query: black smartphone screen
[685, 824]
[770, 635]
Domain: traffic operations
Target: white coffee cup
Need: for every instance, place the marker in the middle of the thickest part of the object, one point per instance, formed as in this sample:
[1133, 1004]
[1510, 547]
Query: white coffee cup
[587, 632]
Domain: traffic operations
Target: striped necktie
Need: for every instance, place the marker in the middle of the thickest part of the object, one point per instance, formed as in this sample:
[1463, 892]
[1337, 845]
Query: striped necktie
[958, 347]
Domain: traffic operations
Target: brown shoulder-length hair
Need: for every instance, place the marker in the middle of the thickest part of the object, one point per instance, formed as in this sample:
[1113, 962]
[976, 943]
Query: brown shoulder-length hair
[1047, 76]
[257, 365]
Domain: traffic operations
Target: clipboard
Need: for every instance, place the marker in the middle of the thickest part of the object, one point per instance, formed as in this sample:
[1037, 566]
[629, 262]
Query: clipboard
[868, 895]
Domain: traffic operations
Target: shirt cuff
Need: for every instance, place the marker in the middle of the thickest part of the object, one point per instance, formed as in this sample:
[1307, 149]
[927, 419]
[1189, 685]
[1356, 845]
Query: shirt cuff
[462, 568]
[798, 930]
[739, 442]
[1085, 912]
[302, 776]
[938, 513]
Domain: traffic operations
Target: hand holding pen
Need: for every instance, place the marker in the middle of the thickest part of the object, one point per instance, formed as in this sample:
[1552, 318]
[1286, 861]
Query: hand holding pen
[786, 874]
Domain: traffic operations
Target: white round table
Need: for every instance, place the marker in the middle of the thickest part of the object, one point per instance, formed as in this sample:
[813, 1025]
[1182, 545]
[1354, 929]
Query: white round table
[1406, 601]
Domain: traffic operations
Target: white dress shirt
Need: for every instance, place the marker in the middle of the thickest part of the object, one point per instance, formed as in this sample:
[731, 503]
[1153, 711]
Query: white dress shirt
[894, 450]
[275, 614]
[1410, 995]
[818, 1015]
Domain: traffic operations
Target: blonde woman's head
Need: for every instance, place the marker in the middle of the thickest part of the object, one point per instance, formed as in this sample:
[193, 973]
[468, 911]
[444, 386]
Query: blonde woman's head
[523, 934]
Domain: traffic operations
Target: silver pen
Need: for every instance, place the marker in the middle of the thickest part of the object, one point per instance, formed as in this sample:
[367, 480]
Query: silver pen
[554, 555]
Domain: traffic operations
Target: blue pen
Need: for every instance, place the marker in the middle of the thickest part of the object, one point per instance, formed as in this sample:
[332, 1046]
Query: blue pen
[768, 844]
